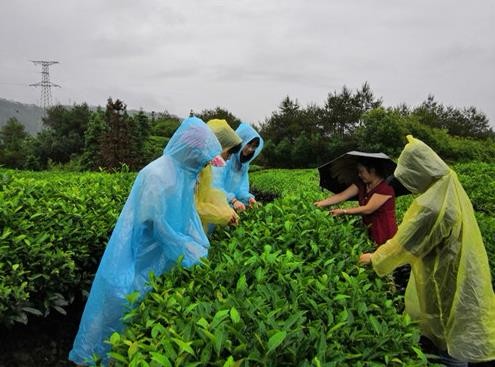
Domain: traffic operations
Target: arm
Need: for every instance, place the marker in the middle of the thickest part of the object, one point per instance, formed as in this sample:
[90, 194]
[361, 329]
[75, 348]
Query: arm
[338, 198]
[151, 211]
[244, 194]
[212, 203]
[422, 229]
[375, 202]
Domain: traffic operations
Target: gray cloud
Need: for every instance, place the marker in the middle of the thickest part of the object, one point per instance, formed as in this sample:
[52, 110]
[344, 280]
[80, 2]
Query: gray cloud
[247, 55]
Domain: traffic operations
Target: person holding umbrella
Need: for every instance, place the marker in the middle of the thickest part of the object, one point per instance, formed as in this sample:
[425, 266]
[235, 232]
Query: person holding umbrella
[365, 174]
[449, 292]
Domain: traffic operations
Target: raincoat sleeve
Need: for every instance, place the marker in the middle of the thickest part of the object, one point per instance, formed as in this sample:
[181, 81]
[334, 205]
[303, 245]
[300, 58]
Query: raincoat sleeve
[219, 174]
[211, 202]
[423, 228]
[173, 242]
[244, 195]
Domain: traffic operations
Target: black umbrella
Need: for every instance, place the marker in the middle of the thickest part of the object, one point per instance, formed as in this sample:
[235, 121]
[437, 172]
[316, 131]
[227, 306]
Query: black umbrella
[338, 174]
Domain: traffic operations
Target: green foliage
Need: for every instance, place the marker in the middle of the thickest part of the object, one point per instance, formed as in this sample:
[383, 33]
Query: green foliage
[289, 293]
[154, 146]
[385, 130]
[477, 178]
[164, 127]
[53, 229]
[307, 137]
[282, 288]
[222, 114]
[123, 140]
[64, 136]
[13, 138]
[487, 228]
[299, 137]
[285, 181]
[116, 143]
[381, 131]
[466, 122]
[342, 111]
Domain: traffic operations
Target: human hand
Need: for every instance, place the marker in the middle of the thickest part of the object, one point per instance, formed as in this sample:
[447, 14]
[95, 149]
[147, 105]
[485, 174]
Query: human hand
[238, 205]
[234, 220]
[252, 202]
[319, 204]
[365, 259]
[338, 211]
[217, 161]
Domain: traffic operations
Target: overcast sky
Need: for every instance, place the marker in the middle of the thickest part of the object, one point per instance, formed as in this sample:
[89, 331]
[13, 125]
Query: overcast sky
[246, 56]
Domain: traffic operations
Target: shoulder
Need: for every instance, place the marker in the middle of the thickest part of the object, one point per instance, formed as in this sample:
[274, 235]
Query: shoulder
[385, 189]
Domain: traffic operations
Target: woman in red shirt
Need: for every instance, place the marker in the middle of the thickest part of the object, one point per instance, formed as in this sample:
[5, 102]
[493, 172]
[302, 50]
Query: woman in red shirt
[376, 201]
[377, 207]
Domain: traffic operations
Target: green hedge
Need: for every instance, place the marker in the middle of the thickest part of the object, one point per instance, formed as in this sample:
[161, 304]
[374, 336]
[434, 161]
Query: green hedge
[54, 227]
[283, 289]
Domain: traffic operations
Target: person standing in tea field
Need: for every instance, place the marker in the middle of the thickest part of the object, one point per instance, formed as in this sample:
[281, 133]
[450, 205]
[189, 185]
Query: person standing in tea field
[158, 224]
[449, 292]
[233, 179]
[376, 200]
[211, 202]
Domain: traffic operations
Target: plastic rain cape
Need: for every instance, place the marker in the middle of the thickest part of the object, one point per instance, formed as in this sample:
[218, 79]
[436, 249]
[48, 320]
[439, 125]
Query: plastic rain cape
[449, 291]
[233, 178]
[211, 203]
[158, 224]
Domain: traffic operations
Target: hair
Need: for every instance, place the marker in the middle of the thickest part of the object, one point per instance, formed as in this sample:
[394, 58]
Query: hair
[254, 140]
[373, 163]
[235, 149]
[245, 158]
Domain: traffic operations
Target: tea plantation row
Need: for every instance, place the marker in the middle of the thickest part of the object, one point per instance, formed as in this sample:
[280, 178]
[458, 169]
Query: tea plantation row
[283, 288]
[284, 283]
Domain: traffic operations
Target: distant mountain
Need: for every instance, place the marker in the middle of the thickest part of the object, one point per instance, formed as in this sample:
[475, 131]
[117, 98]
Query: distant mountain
[30, 115]
[27, 114]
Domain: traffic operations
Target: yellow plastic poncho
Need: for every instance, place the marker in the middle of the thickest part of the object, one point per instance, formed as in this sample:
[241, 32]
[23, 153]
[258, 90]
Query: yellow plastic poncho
[449, 291]
[211, 203]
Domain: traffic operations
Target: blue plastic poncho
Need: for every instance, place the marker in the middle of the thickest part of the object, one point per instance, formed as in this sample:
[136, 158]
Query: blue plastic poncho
[233, 178]
[158, 223]
[449, 291]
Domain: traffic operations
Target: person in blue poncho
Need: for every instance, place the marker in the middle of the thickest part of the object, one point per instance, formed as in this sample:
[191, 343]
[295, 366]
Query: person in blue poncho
[158, 224]
[233, 178]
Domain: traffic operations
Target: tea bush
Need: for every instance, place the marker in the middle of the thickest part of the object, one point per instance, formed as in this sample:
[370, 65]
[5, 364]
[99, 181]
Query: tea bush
[53, 230]
[284, 288]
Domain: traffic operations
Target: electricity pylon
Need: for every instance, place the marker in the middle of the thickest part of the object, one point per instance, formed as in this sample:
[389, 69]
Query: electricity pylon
[45, 84]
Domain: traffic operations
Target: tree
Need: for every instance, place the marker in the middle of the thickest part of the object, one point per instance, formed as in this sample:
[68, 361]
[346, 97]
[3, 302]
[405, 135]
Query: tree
[466, 122]
[342, 112]
[286, 123]
[141, 131]
[67, 128]
[93, 136]
[12, 143]
[222, 114]
[381, 131]
[116, 144]
[164, 126]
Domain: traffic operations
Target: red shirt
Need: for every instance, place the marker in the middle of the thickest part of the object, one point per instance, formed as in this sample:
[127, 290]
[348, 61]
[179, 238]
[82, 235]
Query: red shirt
[381, 224]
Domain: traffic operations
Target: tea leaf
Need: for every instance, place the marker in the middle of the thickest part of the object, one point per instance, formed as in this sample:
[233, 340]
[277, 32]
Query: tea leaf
[275, 340]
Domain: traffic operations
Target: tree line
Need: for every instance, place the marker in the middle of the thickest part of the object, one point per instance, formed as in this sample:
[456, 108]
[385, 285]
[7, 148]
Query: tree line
[308, 136]
[296, 136]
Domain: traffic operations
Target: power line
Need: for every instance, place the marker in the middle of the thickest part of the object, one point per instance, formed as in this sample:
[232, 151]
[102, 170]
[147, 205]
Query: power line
[17, 84]
[45, 84]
